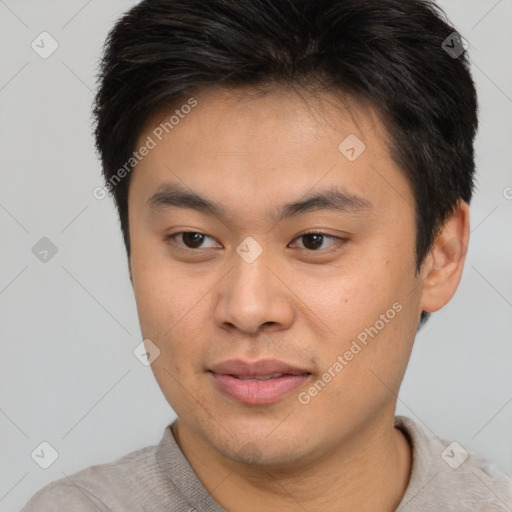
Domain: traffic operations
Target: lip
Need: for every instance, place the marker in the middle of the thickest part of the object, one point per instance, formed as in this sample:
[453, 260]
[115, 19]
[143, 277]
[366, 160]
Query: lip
[228, 377]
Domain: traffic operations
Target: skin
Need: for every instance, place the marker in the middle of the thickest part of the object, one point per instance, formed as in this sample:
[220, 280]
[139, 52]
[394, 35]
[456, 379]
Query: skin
[297, 302]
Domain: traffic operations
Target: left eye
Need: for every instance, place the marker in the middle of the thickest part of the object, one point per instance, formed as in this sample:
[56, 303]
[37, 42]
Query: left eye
[314, 241]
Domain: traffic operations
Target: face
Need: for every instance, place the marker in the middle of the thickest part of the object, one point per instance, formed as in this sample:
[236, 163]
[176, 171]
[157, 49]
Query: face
[261, 246]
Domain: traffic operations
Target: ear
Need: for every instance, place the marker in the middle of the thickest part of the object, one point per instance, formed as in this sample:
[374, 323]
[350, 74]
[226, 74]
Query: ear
[442, 270]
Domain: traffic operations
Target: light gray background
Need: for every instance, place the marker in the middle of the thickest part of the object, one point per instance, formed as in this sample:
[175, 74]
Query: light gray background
[69, 326]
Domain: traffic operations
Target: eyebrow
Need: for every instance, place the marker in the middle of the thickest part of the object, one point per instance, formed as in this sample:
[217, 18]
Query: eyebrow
[175, 196]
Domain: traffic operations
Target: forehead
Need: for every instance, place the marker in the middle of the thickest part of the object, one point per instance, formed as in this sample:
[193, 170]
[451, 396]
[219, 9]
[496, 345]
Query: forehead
[244, 145]
[310, 112]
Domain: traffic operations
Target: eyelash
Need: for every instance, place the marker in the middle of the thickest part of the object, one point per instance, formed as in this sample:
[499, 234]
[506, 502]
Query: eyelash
[171, 239]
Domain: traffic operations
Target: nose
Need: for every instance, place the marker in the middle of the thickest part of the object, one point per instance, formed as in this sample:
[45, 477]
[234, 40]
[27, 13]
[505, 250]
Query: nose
[254, 297]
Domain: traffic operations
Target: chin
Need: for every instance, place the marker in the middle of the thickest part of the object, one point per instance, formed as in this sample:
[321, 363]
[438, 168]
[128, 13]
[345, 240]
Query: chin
[259, 441]
[264, 455]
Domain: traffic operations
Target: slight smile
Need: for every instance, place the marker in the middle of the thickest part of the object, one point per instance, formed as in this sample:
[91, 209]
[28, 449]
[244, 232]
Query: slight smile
[260, 382]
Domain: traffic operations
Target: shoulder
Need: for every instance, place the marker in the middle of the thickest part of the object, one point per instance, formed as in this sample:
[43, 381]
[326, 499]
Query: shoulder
[122, 484]
[62, 495]
[447, 476]
[95, 488]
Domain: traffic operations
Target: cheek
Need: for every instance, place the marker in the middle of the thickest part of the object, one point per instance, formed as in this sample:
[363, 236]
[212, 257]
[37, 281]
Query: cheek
[366, 307]
[351, 296]
[170, 310]
[160, 293]
[169, 315]
[153, 297]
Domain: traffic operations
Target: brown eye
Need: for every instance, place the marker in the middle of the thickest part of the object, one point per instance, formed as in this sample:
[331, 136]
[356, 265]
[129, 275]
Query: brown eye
[189, 240]
[315, 241]
[192, 240]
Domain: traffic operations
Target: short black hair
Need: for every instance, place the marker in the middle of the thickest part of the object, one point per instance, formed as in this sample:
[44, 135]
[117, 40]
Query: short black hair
[401, 56]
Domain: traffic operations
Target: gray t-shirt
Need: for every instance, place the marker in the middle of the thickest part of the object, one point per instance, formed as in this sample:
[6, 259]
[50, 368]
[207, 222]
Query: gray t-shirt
[159, 478]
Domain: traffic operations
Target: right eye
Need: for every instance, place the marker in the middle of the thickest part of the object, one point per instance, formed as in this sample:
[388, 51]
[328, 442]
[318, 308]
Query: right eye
[188, 240]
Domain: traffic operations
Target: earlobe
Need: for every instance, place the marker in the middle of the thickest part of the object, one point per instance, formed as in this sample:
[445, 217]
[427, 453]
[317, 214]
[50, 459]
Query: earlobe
[443, 268]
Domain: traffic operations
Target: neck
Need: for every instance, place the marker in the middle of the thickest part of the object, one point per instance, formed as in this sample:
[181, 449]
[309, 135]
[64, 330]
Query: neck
[370, 471]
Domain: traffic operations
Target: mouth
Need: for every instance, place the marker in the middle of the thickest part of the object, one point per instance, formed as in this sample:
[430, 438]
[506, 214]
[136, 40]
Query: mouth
[257, 383]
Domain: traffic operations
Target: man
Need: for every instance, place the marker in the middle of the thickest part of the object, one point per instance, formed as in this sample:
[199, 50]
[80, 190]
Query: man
[293, 180]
